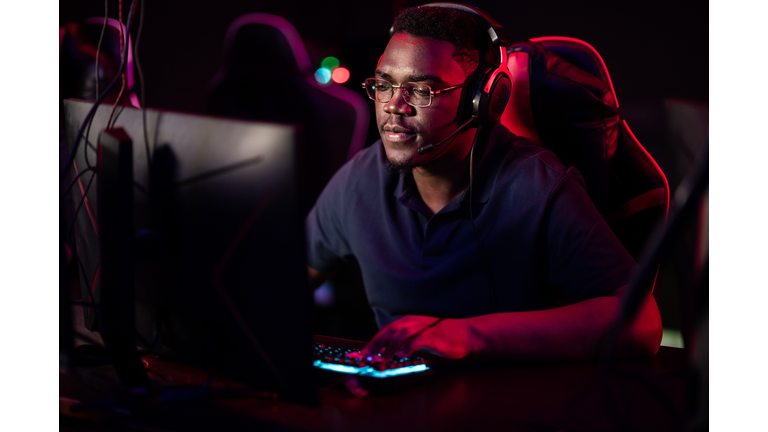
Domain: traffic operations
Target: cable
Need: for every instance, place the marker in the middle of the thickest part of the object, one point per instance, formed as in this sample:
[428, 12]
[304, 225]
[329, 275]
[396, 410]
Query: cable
[123, 36]
[141, 82]
[90, 122]
[66, 191]
[123, 61]
[98, 47]
[124, 45]
[472, 220]
[98, 52]
[80, 205]
[88, 144]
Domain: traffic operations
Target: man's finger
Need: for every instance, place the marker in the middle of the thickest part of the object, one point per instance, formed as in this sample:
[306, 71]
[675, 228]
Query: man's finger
[410, 347]
[392, 337]
[402, 336]
[389, 339]
[378, 342]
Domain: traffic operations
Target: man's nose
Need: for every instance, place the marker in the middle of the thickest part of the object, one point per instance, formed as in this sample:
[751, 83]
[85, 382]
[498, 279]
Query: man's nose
[397, 104]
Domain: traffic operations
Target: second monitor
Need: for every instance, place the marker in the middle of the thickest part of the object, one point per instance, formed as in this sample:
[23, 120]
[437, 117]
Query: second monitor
[220, 274]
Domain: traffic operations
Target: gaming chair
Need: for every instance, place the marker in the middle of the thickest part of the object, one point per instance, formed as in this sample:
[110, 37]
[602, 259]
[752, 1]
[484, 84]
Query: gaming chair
[266, 75]
[563, 98]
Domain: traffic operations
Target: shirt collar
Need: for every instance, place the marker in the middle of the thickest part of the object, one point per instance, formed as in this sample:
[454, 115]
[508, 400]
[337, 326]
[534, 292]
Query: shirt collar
[407, 195]
[490, 150]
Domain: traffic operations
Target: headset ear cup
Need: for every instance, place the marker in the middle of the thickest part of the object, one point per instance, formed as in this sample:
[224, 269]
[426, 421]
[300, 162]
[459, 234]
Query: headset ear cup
[498, 97]
[475, 94]
[489, 107]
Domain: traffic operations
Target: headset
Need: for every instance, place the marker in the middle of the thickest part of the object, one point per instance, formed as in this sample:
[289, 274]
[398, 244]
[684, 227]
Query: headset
[489, 92]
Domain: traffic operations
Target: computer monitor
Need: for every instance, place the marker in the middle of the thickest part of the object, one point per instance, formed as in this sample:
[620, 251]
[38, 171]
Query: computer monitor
[218, 243]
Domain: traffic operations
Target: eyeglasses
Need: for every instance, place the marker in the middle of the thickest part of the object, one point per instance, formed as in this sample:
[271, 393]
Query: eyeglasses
[414, 94]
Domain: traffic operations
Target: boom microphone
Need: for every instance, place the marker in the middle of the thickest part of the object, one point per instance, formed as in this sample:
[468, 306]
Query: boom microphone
[429, 147]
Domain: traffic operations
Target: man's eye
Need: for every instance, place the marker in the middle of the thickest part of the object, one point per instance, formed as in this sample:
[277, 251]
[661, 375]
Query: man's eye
[421, 92]
[383, 86]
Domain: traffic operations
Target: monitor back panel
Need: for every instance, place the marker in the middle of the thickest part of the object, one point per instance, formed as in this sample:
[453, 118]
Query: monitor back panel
[219, 250]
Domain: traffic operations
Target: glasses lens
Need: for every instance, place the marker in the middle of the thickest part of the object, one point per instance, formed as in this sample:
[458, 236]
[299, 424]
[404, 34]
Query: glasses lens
[378, 89]
[419, 95]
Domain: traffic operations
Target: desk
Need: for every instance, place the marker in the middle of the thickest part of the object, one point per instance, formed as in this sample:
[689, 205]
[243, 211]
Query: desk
[507, 396]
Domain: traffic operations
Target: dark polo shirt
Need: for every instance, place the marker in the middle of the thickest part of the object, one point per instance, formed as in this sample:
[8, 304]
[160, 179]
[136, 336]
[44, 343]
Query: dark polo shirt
[544, 241]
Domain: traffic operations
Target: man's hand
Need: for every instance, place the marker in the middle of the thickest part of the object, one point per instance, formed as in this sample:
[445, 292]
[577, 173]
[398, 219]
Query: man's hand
[569, 333]
[449, 338]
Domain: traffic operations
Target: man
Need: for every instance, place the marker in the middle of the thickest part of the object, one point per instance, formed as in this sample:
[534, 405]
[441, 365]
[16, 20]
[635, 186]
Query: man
[435, 282]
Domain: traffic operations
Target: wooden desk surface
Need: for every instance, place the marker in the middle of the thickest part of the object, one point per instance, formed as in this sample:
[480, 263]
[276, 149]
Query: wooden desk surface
[647, 392]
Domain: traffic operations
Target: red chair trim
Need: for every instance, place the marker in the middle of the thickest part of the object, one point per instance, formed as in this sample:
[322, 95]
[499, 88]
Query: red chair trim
[518, 116]
[590, 47]
[656, 166]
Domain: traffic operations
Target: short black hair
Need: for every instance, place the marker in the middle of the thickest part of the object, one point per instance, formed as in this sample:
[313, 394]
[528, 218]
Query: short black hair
[463, 30]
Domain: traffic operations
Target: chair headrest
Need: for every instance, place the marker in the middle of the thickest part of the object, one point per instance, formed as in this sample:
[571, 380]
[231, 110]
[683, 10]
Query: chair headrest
[257, 42]
[566, 109]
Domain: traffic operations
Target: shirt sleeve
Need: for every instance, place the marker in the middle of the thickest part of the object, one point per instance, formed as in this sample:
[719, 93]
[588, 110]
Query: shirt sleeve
[585, 258]
[327, 244]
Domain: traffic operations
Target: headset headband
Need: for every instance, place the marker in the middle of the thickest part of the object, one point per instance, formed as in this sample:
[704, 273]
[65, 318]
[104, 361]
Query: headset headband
[495, 31]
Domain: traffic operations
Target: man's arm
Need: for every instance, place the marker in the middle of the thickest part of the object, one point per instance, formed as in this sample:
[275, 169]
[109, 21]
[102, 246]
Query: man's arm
[569, 333]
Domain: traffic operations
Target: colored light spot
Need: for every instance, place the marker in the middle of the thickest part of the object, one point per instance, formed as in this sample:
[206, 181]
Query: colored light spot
[330, 63]
[323, 75]
[340, 75]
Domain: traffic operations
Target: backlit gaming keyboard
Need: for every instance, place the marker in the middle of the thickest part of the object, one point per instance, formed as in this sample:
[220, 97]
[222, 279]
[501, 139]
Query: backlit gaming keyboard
[349, 360]
[343, 356]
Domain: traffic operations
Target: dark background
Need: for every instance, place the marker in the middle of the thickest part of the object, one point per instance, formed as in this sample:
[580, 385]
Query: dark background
[657, 53]
[653, 49]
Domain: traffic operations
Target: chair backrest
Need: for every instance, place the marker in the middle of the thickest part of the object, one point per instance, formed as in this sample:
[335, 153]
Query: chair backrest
[111, 45]
[563, 98]
[267, 75]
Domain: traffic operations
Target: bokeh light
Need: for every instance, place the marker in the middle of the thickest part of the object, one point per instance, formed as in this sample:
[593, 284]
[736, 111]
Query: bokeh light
[340, 75]
[323, 75]
[330, 63]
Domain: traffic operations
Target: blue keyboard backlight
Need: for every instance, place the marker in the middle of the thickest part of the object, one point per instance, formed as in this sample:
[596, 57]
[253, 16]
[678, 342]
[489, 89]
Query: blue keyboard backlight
[369, 371]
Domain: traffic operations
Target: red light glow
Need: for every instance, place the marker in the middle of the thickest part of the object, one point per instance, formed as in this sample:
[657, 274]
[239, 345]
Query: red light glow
[340, 75]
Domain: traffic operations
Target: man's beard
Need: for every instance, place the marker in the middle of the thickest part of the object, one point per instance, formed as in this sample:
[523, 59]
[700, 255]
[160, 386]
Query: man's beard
[400, 168]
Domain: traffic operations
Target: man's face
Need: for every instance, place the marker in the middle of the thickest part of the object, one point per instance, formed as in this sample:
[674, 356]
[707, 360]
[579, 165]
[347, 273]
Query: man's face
[404, 128]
